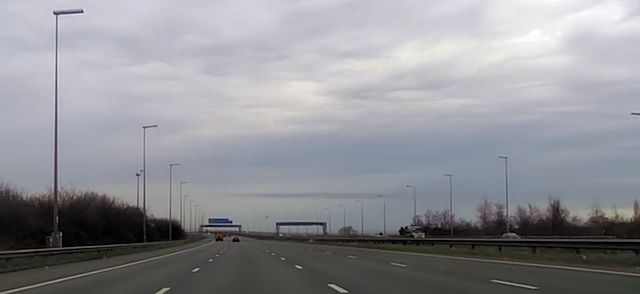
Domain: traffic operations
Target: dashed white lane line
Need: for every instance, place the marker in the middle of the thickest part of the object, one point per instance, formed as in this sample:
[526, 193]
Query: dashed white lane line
[352, 257]
[282, 258]
[398, 264]
[338, 288]
[210, 259]
[195, 270]
[163, 290]
[273, 254]
[217, 255]
[297, 266]
[515, 284]
[60, 280]
[327, 252]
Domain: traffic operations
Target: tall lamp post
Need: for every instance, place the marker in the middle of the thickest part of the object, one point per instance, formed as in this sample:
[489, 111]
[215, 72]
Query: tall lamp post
[182, 222]
[138, 174]
[506, 187]
[415, 212]
[344, 218]
[190, 214]
[384, 214]
[361, 216]
[195, 218]
[450, 176]
[144, 180]
[329, 210]
[184, 199]
[171, 165]
[56, 235]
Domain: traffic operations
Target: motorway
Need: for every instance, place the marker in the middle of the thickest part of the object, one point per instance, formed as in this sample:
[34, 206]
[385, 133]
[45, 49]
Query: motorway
[257, 266]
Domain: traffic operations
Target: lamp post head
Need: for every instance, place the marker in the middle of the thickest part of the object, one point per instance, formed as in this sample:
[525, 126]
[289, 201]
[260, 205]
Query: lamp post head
[409, 185]
[448, 175]
[67, 11]
[149, 126]
[173, 164]
[503, 157]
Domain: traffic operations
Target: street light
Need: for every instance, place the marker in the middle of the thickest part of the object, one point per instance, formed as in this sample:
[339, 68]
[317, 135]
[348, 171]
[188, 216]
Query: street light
[182, 200]
[190, 214]
[56, 235]
[361, 216]
[329, 210]
[506, 187]
[138, 174]
[414, 201]
[450, 176]
[144, 180]
[344, 218]
[171, 165]
[195, 218]
[384, 214]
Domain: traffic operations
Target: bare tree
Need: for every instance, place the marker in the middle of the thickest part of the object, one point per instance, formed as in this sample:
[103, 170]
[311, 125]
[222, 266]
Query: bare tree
[556, 216]
[485, 215]
[636, 211]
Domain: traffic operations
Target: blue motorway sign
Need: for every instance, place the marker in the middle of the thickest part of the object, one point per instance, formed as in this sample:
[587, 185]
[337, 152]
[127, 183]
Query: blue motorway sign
[216, 220]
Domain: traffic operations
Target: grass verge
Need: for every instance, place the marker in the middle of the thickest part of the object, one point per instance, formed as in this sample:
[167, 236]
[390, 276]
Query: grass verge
[22, 263]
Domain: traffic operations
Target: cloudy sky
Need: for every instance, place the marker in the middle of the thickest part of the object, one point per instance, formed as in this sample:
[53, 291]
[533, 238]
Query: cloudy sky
[284, 108]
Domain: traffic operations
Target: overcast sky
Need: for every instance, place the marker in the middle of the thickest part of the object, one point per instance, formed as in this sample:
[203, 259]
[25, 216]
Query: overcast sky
[284, 108]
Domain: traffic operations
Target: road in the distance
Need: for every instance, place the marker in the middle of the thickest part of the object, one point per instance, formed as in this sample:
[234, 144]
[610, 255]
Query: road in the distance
[254, 266]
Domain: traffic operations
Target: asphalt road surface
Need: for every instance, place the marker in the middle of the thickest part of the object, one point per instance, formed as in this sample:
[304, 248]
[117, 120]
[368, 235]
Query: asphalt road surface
[255, 266]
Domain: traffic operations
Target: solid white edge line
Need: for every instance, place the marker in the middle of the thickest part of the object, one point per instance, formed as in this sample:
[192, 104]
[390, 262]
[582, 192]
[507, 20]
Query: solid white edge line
[195, 270]
[514, 284]
[539, 265]
[398, 264]
[59, 280]
[337, 288]
[297, 266]
[163, 290]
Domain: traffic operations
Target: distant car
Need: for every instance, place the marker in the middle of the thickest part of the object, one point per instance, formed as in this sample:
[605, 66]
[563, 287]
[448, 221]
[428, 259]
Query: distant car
[418, 235]
[219, 236]
[510, 236]
[235, 239]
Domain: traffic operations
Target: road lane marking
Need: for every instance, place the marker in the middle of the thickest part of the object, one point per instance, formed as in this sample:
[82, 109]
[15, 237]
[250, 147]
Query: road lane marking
[217, 255]
[273, 254]
[211, 259]
[163, 290]
[338, 288]
[327, 252]
[398, 264]
[297, 266]
[82, 275]
[195, 270]
[518, 263]
[282, 258]
[515, 284]
[352, 257]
